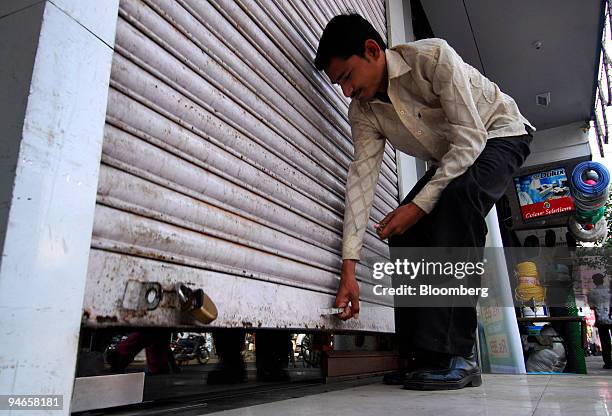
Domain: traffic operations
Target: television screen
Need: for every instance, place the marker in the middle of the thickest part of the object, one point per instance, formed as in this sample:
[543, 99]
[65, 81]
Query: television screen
[543, 193]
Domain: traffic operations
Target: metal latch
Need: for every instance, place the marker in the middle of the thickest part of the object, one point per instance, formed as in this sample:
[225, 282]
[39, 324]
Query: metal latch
[142, 295]
[147, 296]
[197, 303]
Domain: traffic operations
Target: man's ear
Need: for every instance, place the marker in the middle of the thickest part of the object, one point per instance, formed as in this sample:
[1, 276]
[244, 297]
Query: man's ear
[371, 49]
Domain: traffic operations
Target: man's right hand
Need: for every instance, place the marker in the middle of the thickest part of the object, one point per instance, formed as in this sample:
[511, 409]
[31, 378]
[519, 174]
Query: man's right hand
[348, 291]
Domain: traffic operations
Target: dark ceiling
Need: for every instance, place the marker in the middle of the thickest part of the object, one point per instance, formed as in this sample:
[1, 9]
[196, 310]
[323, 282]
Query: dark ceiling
[498, 36]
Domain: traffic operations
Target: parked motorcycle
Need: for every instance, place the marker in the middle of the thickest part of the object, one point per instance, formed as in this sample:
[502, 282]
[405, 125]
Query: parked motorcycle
[191, 347]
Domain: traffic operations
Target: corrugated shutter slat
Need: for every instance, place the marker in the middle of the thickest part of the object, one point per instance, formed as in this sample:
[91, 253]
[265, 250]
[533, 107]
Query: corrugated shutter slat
[226, 154]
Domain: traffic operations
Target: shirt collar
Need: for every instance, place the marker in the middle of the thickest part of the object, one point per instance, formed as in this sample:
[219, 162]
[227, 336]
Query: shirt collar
[396, 65]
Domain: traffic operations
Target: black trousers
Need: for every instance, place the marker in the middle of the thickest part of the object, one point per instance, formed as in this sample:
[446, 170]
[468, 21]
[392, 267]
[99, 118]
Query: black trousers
[604, 338]
[457, 220]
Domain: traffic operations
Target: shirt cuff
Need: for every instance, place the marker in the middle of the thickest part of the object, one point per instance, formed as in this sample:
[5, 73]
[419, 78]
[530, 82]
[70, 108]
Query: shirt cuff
[351, 249]
[427, 198]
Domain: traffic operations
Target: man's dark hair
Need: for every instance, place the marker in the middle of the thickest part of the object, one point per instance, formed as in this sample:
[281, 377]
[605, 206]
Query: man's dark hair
[598, 279]
[344, 36]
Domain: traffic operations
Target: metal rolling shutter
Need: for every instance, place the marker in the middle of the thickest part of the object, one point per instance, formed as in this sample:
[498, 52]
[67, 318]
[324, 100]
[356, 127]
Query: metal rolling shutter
[224, 164]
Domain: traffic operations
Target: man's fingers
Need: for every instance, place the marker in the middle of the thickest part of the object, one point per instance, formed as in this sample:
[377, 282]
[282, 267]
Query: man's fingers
[393, 227]
[384, 224]
[355, 307]
[386, 219]
[348, 310]
[346, 314]
[354, 297]
[342, 301]
[384, 233]
[347, 297]
[389, 216]
[388, 231]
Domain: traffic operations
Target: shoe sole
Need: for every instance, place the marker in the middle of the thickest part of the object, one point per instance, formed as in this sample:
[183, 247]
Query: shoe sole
[395, 378]
[474, 380]
[393, 382]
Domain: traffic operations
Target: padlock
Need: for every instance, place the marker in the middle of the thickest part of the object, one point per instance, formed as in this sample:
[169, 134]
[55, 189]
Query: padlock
[205, 310]
[197, 303]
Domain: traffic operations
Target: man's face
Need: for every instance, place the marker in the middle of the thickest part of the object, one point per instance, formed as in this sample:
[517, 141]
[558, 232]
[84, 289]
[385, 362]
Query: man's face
[360, 77]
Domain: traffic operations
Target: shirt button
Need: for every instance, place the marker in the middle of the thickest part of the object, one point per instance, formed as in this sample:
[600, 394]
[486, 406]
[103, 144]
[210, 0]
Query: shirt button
[402, 112]
[419, 132]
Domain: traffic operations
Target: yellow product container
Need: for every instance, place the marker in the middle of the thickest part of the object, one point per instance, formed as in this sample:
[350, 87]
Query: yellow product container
[529, 285]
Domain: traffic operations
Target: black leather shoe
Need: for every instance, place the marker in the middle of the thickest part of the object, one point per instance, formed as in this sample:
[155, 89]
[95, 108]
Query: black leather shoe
[407, 365]
[395, 378]
[459, 373]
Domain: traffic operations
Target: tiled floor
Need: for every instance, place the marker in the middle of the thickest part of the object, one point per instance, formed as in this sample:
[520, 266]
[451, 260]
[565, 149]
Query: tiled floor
[594, 367]
[500, 395]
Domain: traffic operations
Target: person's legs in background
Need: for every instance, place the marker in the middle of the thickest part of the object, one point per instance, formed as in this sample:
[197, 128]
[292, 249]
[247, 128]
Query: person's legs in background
[231, 367]
[155, 341]
[159, 355]
[272, 349]
[606, 350]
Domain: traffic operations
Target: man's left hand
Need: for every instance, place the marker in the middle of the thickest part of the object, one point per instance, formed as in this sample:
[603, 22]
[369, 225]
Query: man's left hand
[399, 220]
